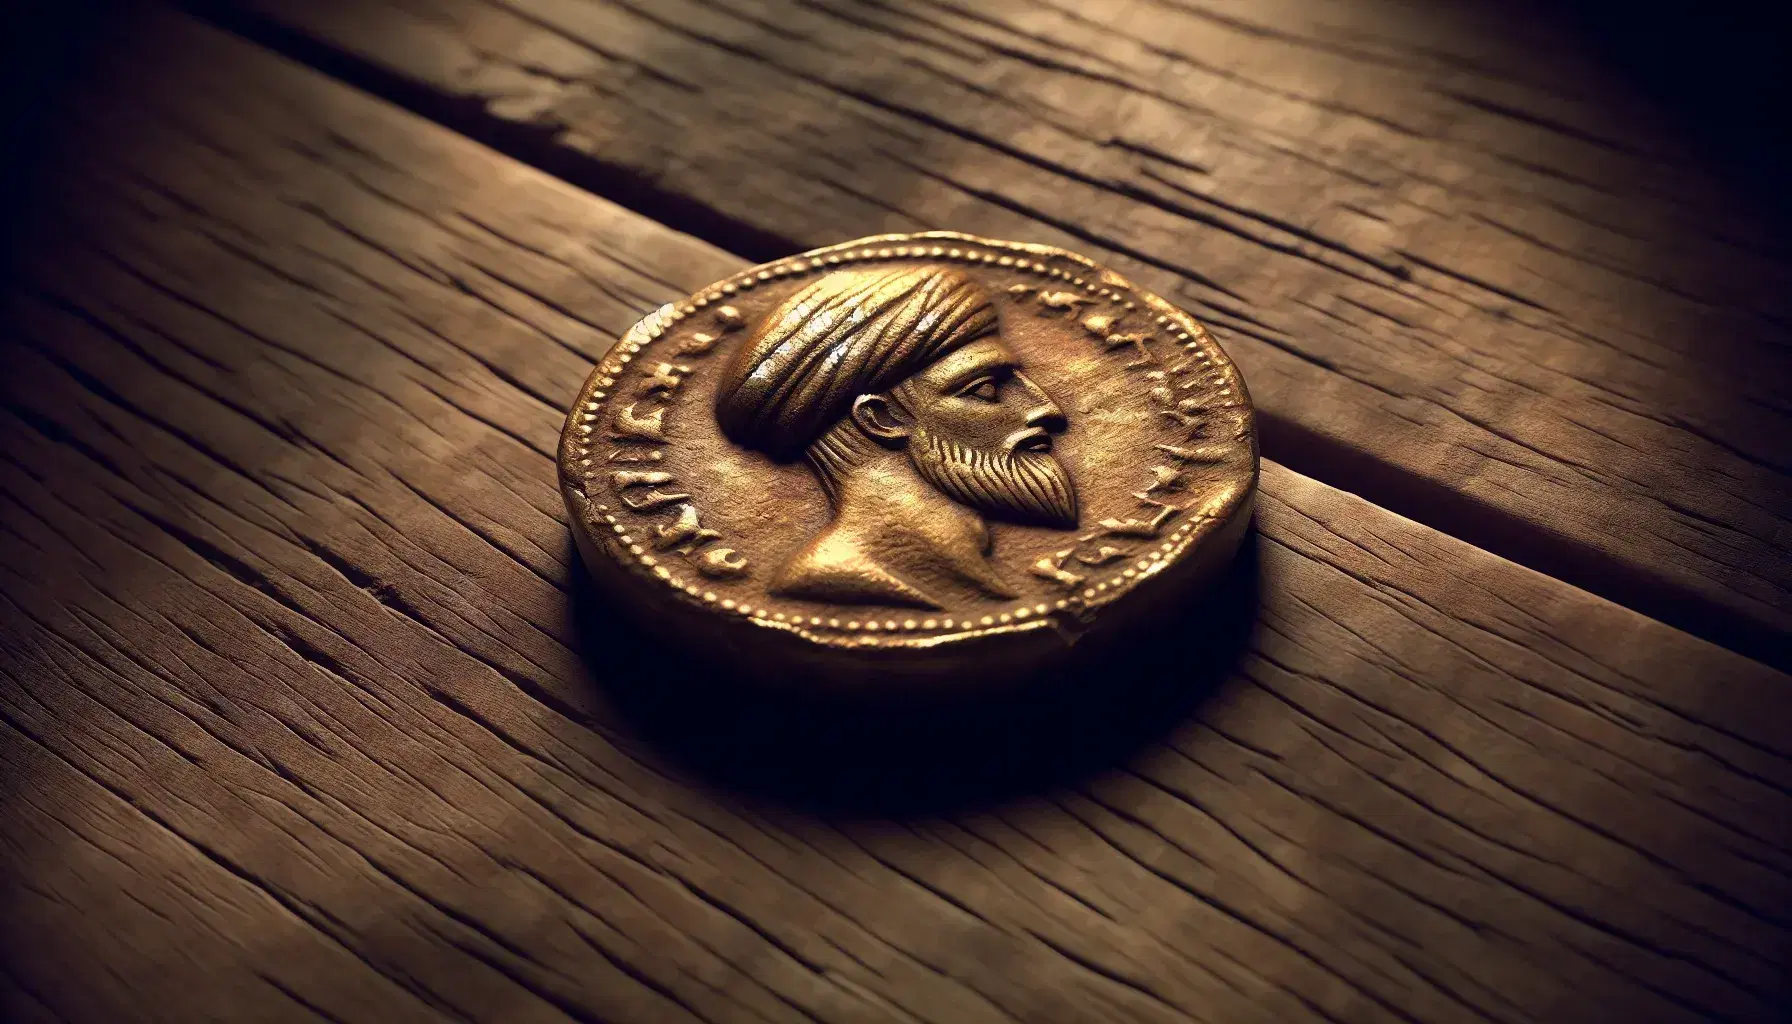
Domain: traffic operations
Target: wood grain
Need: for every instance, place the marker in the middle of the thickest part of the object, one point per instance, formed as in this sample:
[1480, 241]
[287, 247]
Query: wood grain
[1463, 274]
[303, 714]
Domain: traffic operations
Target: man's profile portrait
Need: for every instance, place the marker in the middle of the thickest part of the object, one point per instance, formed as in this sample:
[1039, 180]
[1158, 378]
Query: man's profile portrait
[896, 388]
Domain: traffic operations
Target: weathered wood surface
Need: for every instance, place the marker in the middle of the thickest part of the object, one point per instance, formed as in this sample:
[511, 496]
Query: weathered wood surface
[300, 718]
[1462, 278]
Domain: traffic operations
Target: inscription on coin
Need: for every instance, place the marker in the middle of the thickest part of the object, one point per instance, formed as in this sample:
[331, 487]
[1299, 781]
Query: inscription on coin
[909, 442]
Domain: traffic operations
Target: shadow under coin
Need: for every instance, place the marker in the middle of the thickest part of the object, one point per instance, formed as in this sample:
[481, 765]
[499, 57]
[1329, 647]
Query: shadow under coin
[895, 755]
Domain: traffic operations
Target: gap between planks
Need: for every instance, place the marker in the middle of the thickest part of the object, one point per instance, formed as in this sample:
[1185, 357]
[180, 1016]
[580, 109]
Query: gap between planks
[1614, 488]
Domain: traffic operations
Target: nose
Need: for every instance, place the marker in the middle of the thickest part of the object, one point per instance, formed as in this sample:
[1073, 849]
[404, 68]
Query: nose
[1043, 413]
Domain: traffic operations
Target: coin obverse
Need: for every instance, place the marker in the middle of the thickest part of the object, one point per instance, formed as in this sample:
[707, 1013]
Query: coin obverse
[928, 457]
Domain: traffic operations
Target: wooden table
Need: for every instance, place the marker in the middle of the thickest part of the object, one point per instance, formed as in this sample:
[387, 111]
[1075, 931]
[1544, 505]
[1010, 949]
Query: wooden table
[306, 712]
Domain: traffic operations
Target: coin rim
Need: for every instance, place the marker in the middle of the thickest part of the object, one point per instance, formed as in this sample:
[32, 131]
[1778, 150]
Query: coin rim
[1072, 614]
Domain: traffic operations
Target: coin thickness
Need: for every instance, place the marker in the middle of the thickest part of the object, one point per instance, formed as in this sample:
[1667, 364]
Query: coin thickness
[923, 458]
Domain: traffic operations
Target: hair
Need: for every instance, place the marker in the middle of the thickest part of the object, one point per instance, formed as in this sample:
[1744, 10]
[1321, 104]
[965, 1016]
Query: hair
[851, 333]
[836, 453]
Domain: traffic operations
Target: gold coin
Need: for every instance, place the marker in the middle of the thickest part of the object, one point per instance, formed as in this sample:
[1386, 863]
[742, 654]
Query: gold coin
[928, 457]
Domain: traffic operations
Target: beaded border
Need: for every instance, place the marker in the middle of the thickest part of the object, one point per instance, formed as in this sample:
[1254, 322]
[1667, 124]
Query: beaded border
[1187, 333]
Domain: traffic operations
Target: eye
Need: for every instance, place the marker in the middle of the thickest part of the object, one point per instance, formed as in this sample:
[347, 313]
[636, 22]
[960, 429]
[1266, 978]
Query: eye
[985, 390]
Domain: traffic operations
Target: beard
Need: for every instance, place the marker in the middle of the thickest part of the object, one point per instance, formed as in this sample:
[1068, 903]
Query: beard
[1027, 487]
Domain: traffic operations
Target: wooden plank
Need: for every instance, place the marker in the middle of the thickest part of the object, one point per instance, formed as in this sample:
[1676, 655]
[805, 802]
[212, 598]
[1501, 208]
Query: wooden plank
[1481, 288]
[304, 711]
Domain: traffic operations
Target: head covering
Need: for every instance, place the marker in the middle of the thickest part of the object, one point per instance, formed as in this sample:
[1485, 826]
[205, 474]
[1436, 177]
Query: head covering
[851, 333]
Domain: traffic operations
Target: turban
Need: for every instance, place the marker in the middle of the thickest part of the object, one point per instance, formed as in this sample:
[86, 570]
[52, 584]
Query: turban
[852, 333]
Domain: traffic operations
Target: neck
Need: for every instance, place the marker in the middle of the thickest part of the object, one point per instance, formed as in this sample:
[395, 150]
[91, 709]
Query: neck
[888, 493]
[883, 507]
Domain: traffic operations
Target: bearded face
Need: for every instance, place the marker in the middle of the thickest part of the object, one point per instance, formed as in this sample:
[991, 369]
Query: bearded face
[1015, 481]
[981, 433]
[865, 367]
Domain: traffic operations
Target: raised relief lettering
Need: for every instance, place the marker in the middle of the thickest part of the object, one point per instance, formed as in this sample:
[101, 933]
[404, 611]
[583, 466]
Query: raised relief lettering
[722, 563]
[626, 455]
[1186, 412]
[1106, 329]
[684, 535]
[730, 318]
[1051, 567]
[1138, 342]
[1164, 478]
[1205, 454]
[1230, 423]
[641, 490]
[648, 427]
[1102, 555]
[1064, 302]
[1136, 527]
[665, 379]
[653, 500]
[697, 344]
[1196, 395]
[628, 481]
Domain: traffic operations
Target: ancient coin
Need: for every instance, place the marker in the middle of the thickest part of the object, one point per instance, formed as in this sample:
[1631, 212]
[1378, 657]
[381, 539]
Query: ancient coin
[926, 457]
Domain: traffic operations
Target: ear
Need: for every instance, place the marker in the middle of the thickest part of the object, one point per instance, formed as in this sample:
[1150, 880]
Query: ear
[881, 419]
